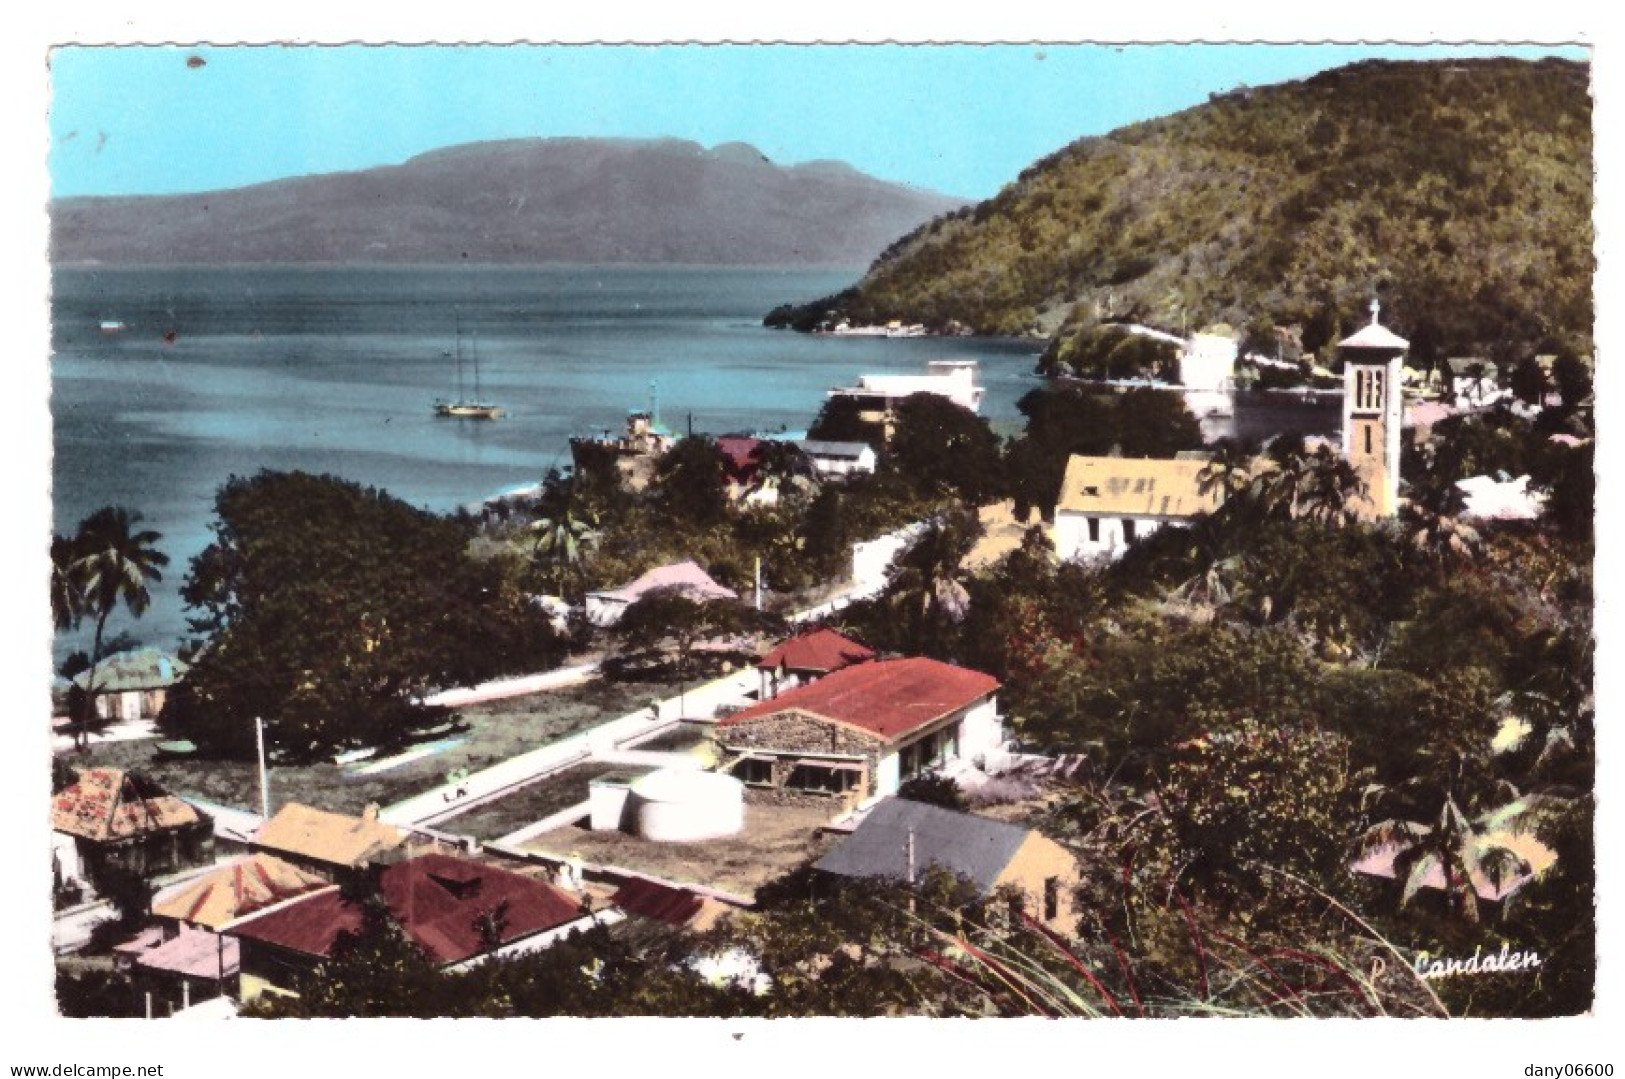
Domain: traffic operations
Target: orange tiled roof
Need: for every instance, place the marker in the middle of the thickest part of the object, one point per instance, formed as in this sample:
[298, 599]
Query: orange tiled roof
[241, 888]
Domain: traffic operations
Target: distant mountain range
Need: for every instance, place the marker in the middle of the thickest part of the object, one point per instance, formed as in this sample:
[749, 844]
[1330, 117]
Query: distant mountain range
[1459, 190]
[518, 201]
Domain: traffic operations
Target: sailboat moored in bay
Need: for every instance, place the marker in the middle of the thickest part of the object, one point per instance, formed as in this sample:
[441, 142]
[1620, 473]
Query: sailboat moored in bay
[465, 407]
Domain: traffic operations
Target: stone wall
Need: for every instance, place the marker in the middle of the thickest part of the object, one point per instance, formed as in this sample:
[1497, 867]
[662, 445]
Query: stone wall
[799, 732]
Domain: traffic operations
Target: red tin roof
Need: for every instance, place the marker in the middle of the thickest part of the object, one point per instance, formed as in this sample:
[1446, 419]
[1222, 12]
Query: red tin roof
[436, 898]
[742, 456]
[674, 906]
[890, 697]
[821, 650]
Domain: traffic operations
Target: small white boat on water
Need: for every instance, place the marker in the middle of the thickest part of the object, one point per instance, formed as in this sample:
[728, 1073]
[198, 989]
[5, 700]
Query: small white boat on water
[111, 326]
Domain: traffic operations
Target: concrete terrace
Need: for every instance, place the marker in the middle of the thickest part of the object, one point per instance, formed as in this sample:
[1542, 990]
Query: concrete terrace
[775, 840]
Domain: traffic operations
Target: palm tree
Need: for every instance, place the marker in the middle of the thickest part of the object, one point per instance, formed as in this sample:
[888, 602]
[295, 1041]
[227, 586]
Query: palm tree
[67, 583]
[1452, 853]
[1229, 471]
[1441, 537]
[562, 540]
[926, 584]
[1319, 485]
[114, 565]
[1330, 487]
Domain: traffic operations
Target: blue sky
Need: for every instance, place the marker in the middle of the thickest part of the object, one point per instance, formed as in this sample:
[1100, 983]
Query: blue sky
[961, 119]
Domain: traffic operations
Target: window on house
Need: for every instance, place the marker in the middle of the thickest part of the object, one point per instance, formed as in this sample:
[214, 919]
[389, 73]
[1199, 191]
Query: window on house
[1052, 899]
[822, 779]
[1094, 530]
[1128, 530]
[755, 772]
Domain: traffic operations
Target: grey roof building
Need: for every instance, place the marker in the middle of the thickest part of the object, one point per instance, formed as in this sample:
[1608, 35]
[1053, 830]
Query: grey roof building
[987, 853]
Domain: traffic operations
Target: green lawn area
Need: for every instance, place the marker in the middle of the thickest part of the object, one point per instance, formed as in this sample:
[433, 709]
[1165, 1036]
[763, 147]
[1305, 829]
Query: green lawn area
[498, 730]
[528, 804]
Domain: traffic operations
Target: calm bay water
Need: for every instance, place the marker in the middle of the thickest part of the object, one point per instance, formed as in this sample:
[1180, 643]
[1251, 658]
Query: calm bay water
[335, 369]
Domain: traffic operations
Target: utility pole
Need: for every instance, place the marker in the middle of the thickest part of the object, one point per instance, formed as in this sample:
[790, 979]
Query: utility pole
[265, 777]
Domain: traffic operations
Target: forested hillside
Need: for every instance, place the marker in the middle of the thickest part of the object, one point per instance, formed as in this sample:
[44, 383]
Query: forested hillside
[1461, 191]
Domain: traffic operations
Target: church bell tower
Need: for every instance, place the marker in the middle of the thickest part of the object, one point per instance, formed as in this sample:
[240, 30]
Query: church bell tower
[1371, 413]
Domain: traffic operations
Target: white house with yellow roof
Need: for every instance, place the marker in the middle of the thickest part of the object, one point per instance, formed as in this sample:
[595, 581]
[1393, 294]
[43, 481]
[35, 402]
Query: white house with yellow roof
[1107, 503]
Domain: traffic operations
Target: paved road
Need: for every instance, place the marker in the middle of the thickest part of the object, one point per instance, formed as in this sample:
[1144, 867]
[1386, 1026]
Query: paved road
[513, 687]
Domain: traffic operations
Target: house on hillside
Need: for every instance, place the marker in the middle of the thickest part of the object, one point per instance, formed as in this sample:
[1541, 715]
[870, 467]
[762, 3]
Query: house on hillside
[633, 454]
[900, 840]
[878, 396]
[742, 470]
[1208, 362]
[837, 460]
[861, 731]
[132, 685]
[111, 819]
[459, 911]
[180, 963]
[235, 890]
[667, 904]
[1474, 382]
[806, 658]
[605, 608]
[1107, 503]
[1495, 498]
[333, 845]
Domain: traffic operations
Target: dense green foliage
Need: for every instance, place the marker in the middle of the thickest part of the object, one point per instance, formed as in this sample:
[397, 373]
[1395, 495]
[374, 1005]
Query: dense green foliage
[1461, 189]
[328, 609]
[1094, 351]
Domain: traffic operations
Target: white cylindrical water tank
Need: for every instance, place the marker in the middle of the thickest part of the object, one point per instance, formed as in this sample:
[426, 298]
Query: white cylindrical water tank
[681, 805]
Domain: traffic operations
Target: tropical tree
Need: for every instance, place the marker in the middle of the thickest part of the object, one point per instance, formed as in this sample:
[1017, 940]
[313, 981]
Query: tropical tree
[1441, 538]
[926, 585]
[116, 559]
[332, 610]
[562, 541]
[1229, 471]
[690, 483]
[1450, 852]
[1317, 485]
[944, 449]
[669, 623]
[67, 583]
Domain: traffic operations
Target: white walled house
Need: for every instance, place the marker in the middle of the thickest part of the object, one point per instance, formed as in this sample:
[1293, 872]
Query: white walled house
[836, 460]
[953, 379]
[1107, 503]
[860, 732]
[1208, 362]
